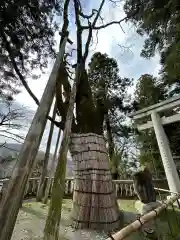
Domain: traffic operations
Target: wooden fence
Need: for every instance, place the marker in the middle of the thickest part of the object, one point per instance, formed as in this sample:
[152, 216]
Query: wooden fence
[124, 188]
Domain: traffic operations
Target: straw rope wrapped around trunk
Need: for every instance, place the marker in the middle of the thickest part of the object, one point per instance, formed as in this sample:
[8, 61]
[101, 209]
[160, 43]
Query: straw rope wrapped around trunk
[94, 200]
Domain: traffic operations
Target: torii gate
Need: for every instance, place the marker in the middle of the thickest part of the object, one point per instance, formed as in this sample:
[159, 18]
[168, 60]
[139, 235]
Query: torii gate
[163, 144]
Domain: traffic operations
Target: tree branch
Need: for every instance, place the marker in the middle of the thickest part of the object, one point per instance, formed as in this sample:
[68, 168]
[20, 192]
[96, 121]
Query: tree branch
[21, 77]
[10, 148]
[84, 15]
[13, 134]
[12, 115]
[66, 21]
[115, 2]
[10, 137]
[62, 80]
[91, 27]
[88, 43]
[87, 16]
[60, 103]
[62, 77]
[12, 125]
[79, 31]
[3, 144]
[8, 48]
[68, 40]
[107, 24]
[113, 22]
[98, 13]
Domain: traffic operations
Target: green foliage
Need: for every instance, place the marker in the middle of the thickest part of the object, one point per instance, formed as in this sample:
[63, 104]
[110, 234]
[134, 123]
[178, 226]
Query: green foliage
[170, 60]
[122, 163]
[159, 22]
[110, 90]
[105, 81]
[173, 133]
[148, 92]
[157, 19]
[107, 85]
[26, 40]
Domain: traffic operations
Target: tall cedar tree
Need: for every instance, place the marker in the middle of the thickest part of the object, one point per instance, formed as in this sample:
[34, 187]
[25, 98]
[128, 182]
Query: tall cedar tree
[87, 124]
[107, 85]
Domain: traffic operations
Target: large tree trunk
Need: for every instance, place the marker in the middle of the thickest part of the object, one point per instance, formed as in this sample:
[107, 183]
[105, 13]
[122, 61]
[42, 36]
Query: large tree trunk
[94, 200]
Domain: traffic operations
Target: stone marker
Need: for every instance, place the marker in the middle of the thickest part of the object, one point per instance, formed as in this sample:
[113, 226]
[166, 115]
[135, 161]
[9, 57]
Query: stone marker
[147, 196]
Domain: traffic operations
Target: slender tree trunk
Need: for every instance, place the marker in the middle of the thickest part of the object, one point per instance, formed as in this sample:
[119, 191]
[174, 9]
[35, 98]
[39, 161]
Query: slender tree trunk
[94, 200]
[41, 187]
[115, 172]
[14, 193]
[52, 167]
[51, 231]
[110, 137]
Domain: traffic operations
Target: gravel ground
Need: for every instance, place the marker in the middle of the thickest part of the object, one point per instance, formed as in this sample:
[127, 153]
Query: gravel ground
[32, 216]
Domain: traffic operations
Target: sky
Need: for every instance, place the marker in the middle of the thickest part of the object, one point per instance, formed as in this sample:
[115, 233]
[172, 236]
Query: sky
[123, 45]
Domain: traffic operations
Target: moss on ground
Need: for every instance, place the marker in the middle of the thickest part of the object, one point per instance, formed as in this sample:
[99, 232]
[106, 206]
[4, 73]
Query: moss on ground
[127, 205]
[31, 221]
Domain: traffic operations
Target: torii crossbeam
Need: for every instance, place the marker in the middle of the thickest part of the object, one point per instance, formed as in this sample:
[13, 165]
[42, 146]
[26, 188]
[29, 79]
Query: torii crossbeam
[163, 144]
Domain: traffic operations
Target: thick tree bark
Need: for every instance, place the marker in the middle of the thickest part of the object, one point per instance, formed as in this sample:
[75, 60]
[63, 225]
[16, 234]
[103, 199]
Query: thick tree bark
[94, 200]
[103, 213]
[90, 120]
[14, 193]
[41, 187]
[96, 174]
[52, 168]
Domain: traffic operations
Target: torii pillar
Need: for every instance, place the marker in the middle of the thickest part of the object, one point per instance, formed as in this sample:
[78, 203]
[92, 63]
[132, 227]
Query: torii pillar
[163, 143]
[166, 155]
